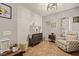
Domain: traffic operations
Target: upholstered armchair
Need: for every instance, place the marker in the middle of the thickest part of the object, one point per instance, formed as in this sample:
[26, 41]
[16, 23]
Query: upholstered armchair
[69, 43]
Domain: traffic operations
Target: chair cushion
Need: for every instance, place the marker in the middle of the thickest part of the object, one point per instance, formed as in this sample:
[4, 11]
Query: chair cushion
[71, 36]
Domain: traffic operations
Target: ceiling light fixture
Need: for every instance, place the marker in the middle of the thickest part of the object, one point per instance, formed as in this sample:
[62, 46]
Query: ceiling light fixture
[51, 6]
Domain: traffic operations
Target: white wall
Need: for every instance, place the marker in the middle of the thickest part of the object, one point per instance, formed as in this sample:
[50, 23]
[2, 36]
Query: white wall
[56, 18]
[22, 18]
[25, 18]
[9, 25]
[19, 24]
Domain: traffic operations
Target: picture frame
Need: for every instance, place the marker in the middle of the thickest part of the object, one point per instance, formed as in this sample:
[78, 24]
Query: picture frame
[76, 19]
[5, 11]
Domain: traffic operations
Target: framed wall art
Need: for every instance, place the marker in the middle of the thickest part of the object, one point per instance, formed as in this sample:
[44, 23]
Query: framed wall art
[5, 11]
[76, 19]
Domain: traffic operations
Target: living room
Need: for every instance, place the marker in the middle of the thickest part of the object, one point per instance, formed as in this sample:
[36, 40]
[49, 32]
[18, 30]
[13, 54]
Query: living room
[28, 26]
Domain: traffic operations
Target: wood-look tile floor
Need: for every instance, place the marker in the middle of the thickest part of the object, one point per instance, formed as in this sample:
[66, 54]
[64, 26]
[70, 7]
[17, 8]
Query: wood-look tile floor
[46, 48]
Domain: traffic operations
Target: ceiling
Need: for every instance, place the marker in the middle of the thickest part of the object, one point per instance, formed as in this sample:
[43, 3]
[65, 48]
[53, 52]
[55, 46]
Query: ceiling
[41, 8]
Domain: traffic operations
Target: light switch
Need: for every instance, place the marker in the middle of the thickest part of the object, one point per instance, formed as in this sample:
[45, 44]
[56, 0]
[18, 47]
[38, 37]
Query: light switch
[5, 33]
